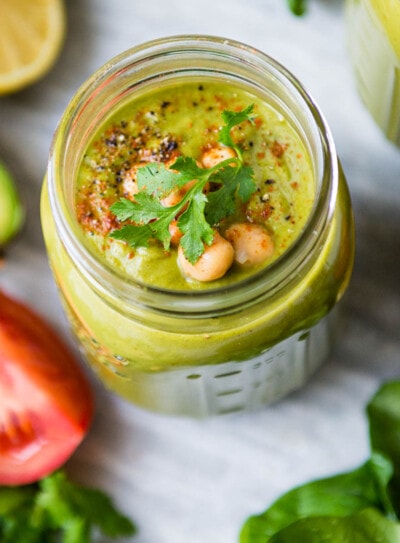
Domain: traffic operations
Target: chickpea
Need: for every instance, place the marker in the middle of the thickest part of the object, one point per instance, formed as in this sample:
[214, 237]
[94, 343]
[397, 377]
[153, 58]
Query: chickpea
[176, 234]
[213, 263]
[175, 196]
[129, 184]
[215, 155]
[251, 242]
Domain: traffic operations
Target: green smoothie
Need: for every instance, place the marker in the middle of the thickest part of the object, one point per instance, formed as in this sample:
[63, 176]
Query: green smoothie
[185, 120]
[154, 334]
[188, 118]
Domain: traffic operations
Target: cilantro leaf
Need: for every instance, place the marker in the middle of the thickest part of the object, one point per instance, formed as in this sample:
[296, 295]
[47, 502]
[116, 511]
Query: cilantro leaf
[151, 220]
[155, 179]
[67, 502]
[134, 235]
[123, 209]
[196, 212]
[14, 497]
[231, 119]
[57, 510]
[234, 182]
[245, 182]
[144, 209]
[195, 228]
[188, 169]
[221, 202]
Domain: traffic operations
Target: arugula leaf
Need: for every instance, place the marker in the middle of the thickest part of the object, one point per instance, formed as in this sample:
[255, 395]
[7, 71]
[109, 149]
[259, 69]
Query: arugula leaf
[196, 212]
[57, 510]
[367, 526]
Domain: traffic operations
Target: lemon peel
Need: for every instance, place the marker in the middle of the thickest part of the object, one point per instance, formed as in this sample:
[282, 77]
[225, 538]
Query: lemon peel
[31, 37]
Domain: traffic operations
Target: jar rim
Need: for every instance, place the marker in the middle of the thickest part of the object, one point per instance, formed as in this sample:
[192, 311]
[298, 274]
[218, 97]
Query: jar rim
[265, 282]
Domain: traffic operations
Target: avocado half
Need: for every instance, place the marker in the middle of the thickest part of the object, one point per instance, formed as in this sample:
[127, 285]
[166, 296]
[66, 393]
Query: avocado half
[11, 209]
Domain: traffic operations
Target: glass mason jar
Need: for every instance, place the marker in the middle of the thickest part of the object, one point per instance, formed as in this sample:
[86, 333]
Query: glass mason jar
[373, 38]
[213, 350]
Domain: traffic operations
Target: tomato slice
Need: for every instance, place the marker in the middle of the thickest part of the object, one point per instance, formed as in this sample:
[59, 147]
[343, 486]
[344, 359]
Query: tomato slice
[46, 402]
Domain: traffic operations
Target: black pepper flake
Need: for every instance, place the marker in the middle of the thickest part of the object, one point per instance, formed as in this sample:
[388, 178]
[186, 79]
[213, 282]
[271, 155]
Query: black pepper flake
[200, 87]
[111, 142]
[167, 145]
[165, 104]
[269, 181]
[288, 217]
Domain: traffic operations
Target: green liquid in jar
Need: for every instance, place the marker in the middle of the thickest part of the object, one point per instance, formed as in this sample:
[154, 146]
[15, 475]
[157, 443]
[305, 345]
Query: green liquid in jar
[191, 348]
[185, 120]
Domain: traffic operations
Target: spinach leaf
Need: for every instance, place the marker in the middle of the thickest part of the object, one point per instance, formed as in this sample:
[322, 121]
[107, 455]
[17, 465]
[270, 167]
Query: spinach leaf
[384, 427]
[337, 496]
[367, 526]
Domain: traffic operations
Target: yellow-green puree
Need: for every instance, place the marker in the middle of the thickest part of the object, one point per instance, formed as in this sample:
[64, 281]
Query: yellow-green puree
[186, 120]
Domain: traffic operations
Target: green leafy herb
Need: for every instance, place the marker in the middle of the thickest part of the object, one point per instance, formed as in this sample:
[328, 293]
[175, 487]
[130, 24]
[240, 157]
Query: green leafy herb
[359, 506]
[57, 510]
[149, 219]
[367, 526]
[340, 495]
[298, 7]
[384, 429]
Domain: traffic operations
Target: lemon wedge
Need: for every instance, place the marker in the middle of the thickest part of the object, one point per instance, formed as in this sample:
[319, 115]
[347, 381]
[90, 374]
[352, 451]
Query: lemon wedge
[31, 35]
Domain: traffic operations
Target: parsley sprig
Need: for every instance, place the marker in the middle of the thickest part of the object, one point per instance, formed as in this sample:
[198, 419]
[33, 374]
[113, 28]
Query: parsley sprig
[197, 212]
[55, 510]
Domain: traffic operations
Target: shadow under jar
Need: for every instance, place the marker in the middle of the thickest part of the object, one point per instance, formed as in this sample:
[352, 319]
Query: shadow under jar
[181, 347]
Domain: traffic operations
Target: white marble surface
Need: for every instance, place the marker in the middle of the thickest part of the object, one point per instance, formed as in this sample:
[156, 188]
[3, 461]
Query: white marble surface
[196, 481]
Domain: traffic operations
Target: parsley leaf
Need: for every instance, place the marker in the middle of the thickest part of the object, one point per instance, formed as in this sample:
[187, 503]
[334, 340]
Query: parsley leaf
[197, 212]
[57, 510]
